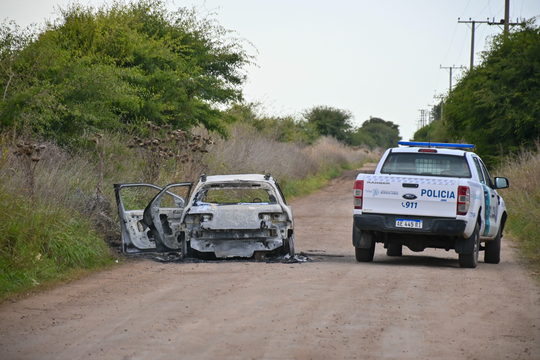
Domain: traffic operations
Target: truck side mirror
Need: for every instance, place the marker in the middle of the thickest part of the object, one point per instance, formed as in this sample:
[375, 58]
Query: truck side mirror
[501, 183]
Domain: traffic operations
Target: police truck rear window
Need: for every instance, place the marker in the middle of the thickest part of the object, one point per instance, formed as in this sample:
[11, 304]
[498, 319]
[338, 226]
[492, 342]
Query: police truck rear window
[426, 164]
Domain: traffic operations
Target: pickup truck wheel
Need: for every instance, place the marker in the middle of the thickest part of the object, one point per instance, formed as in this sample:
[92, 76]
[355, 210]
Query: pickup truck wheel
[471, 260]
[365, 255]
[394, 249]
[492, 254]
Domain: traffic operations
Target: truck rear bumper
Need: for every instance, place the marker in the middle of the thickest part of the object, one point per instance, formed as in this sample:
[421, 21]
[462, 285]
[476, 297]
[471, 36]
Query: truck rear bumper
[430, 225]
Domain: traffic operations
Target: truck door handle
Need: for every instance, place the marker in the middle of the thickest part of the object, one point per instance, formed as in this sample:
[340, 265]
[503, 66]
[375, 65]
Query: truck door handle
[409, 185]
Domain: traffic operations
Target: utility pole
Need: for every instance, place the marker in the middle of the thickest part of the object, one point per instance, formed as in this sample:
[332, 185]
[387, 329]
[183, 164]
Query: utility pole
[506, 22]
[506, 16]
[473, 27]
[451, 68]
[423, 121]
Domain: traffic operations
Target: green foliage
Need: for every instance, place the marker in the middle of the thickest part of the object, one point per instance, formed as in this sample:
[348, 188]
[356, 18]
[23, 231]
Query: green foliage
[377, 132]
[116, 67]
[496, 106]
[436, 132]
[437, 111]
[330, 121]
[283, 129]
[302, 187]
[43, 244]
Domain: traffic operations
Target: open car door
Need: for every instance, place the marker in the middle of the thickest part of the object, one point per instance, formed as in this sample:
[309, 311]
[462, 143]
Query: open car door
[150, 216]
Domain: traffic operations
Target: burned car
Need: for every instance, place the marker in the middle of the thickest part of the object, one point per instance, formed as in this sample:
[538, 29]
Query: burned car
[225, 215]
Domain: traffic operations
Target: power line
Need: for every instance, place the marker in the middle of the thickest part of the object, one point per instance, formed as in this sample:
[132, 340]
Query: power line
[506, 22]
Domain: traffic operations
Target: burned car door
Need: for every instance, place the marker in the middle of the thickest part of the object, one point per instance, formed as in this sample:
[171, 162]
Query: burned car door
[150, 216]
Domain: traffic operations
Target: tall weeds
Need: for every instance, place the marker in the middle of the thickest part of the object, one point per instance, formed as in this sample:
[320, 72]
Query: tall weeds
[523, 202]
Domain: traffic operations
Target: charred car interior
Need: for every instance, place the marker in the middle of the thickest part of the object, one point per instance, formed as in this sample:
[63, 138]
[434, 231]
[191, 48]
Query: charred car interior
[223, 216]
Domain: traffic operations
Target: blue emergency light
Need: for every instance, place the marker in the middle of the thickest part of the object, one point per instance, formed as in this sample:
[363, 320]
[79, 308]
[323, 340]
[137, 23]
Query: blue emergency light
[432, 144]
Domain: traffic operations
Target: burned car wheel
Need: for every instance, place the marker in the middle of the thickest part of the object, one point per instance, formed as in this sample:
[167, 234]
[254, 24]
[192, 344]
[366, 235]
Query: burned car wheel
[288, 246]
[187, 251]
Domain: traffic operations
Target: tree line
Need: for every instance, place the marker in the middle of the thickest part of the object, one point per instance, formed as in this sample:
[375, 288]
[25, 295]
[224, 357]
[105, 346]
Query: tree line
[121, 65]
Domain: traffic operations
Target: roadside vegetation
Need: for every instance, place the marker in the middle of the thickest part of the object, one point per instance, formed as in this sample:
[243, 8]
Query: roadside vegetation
[59, 216]
[495, 106]
[523, 202]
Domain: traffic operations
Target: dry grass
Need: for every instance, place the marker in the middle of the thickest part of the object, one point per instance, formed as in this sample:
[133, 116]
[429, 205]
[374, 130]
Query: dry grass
[72, 178]
[523, 202]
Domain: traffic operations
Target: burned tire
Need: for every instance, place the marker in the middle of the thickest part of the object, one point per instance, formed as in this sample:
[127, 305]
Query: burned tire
[394, 249]
[185, 247]
[492, 254]
[288, 246]
[471, 260]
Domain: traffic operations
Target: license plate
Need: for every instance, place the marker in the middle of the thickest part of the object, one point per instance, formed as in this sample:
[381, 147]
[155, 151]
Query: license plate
[405, 223]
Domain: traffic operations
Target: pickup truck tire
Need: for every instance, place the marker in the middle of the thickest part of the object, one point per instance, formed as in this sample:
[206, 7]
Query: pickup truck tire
[365, 255]
[492, 254]
[394, 250]
[362, 254]
[471, 260]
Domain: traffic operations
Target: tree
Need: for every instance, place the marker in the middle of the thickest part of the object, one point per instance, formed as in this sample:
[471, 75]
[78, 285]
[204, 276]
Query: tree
[330, 121]
[496, 105]
[434, 132]
[283, 129]
[119, 66]
[377, 132]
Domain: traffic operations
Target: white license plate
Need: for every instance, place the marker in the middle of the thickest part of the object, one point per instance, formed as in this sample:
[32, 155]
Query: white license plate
[415, 224]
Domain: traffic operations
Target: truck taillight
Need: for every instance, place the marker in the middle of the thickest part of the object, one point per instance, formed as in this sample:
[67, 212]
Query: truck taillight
[463, 200]
[358, 193]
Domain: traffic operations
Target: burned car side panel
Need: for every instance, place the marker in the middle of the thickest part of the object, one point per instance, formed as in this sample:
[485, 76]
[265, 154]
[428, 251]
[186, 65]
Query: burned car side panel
[228, 215]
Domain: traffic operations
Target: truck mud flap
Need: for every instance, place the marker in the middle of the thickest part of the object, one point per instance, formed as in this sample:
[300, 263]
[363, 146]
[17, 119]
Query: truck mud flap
[362, 240]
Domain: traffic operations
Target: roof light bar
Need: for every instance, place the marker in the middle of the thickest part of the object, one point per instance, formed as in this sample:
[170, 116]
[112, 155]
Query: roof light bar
[431, 144]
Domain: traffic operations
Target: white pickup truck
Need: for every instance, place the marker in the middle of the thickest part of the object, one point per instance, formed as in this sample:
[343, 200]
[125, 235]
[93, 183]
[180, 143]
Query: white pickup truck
[429, 195]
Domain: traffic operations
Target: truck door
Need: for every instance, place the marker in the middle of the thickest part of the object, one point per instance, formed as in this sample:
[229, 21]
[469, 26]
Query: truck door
[491, 201]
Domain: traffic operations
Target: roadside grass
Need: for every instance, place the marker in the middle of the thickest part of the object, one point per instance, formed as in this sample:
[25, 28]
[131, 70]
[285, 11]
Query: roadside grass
[522, 199]
[66, 226]
[41, 244]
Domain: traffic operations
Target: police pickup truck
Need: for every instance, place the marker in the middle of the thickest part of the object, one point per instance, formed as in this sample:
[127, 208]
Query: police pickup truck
[429, 195]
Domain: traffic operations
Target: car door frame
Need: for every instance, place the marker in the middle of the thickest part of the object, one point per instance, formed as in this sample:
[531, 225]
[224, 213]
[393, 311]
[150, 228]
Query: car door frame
[154, 228]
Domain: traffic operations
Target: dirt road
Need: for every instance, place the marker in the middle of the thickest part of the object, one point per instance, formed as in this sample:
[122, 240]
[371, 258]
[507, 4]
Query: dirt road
[419, 306]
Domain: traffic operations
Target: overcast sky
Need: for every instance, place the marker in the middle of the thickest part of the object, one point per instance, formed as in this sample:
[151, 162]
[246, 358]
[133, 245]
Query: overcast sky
[374, 58]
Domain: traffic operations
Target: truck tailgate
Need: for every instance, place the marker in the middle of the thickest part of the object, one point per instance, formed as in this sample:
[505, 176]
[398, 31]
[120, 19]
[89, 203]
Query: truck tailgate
[410, 195]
